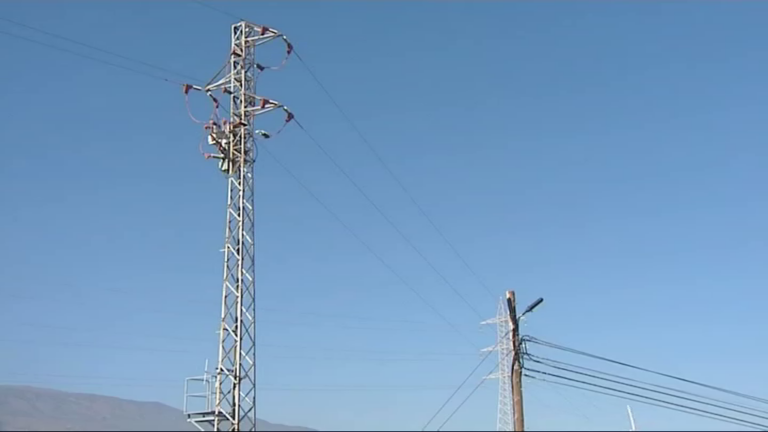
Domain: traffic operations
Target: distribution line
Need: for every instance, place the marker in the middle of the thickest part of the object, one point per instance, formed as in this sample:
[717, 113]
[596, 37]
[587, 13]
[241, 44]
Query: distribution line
[642, 369]
[550, 362]
[659, 392]
[422, 298]
[369, 248]
[386, 218]
[272, 322]
[536, 375]
[95, 48]
[482, 360]
[94, 59]
[302, 313]
[268, 388]
[376, 355]
[394, 177]
[402, 186]
[455, 391]
[377, 155]
[474, 390]
[637, 400]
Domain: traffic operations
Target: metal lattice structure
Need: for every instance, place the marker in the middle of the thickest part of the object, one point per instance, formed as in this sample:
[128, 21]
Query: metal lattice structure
[503, 346]
[231, 389]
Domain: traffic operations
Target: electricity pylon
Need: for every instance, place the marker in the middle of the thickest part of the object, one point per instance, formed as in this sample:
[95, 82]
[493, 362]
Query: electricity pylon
[233, 384]
[505, 419]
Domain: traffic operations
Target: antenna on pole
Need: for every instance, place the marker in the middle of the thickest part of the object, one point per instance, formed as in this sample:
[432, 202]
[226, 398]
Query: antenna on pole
[631, 419]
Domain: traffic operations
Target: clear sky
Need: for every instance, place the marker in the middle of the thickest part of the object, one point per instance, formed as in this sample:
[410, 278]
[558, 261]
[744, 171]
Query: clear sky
[610, 157]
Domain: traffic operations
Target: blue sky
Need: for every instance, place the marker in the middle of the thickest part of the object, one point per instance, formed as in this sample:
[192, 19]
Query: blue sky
[606, 156]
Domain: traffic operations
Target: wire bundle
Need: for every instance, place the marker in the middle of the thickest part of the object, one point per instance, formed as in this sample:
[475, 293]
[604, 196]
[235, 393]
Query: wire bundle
[669, 397]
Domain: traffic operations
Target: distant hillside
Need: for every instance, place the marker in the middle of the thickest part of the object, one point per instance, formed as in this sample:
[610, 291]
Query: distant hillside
[38, 409]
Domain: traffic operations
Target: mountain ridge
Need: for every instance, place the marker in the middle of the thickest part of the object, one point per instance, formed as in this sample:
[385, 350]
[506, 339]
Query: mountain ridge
[29, 408]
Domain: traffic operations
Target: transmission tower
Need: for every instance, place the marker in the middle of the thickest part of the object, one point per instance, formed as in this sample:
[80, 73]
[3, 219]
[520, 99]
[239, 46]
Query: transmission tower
[503, 346]
[231, 389]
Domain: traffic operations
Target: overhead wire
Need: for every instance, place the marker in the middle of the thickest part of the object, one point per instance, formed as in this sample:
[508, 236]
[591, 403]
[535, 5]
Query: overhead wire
[548, 362]
[270, 322]
[300, 313]
[536, 341]
[268, 388]
[168, 80]
[389, 221]
[365, 195]
[369, 248]
[643, 398]
[395, 177]
[368, 198]
[376, 154]
[94, 59]
[466, 398]
[375, 355]
[95, 48]
[451, 325]
[647, 389]
[461, 385]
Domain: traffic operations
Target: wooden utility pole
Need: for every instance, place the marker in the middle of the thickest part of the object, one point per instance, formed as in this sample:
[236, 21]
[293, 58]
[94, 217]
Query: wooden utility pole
[517, 365]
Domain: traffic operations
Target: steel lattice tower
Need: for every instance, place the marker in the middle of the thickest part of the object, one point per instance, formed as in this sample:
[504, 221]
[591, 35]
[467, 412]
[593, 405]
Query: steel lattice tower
[503, 346]
[231, 406]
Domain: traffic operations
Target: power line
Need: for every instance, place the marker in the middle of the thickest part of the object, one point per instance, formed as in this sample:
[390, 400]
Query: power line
[663, 393]
[485, 357]
[378, 157]
[471, 393]
[221, 11]
[365, 195]
[83, 44]
[282, 323]
[394, 177]
[94, 59]
[482, 360]
[269, 388]
[643, 399]
[311, 313]
[639, 368]
[548, 362]
[413, 355]
[389, 221]
[423, 299]
[368, 247]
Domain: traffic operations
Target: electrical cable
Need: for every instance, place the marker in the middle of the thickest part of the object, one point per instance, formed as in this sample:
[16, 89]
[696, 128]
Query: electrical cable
[421, 297]
[547, 361]
[377, 256]
[620, 363]
[474, 390]
[83, 44]
[221, 11]
[94, 59]
[369, 199]
[263, 309]
[369, 248]
[394, 177]
[386, 218]
[482, 360]
[391, 173]
[643, 399]
[99, 379]
[373, 150]
[663, 393]
[375, 354]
